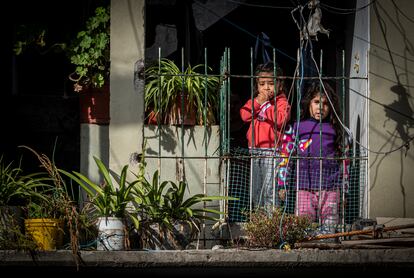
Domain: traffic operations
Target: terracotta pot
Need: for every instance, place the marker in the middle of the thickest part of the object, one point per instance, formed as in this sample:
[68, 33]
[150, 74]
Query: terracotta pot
[173, 115]
[94, 105]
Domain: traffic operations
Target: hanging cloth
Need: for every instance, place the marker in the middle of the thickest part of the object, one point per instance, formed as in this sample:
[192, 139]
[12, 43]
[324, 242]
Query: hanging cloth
[262, 49]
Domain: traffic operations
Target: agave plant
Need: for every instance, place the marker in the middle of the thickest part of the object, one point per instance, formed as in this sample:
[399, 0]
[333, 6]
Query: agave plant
[166, 84]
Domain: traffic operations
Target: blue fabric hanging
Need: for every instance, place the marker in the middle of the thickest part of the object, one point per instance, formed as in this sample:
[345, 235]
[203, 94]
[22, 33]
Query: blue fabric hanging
[262, 49]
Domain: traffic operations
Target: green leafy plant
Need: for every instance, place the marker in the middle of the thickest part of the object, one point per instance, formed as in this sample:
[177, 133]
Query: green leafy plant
[180, 208]
[150, 198]
[34, 36]
[108, 199]
[90, 53]
[16, 188]
[272, 230]
[166, 213]
[165, 83]
[164, 202]
[53, 203]
[51, 200]
[16, 191]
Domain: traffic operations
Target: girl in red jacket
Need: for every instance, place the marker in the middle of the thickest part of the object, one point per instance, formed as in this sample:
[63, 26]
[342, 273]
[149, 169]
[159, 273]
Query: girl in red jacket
[268, 114]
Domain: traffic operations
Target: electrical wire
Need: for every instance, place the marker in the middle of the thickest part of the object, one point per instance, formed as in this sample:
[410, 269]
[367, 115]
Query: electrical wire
[383, 28]
[401, 12]
[405, 144]
[241, 29]
[336, 10]
[258, 5]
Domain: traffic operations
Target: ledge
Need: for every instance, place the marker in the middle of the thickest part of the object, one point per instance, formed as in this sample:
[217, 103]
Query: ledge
[222, 261]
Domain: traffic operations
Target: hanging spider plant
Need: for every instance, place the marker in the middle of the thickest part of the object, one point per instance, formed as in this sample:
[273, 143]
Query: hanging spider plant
[168, 90]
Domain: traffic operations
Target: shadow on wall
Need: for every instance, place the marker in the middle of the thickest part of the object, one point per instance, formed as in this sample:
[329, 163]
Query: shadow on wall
[401, 112]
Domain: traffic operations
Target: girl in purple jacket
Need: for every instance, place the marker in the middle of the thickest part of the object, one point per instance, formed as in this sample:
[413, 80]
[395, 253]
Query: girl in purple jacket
[319, 177]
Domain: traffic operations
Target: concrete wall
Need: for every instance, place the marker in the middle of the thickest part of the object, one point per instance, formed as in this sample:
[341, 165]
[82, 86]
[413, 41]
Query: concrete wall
[391, 123]
[93, 142]
[126, 106]
[170, 145]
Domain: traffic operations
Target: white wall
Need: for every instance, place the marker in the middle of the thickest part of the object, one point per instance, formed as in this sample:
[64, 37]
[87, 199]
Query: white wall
[391, 61]
[358, 91]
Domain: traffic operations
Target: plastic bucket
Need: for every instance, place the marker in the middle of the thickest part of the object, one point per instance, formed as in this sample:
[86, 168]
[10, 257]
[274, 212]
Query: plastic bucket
[111, 234]
[46, 233]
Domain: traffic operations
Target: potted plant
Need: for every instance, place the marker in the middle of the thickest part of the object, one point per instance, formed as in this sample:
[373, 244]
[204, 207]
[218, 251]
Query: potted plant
[168, 219]
[16, 189]
[90, 53]
[109, 201]
[52, 210]
[168, 90]
[275, 230]
[45, 219]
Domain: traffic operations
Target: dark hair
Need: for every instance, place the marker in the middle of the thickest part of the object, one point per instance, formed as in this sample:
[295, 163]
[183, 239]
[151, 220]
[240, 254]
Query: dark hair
[313, 90]
[268, 67]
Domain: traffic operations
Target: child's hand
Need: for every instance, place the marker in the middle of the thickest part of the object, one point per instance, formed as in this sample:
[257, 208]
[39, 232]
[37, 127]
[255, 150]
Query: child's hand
[261, 98]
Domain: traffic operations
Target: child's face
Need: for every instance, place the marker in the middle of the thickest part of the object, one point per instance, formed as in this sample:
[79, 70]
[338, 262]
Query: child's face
[266, 84]
[319, 107]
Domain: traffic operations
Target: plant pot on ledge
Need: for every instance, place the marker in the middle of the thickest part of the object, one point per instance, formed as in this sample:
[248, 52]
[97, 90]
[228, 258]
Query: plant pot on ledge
[166, 83]
[47, 233]
[173, 115]
[94, 105]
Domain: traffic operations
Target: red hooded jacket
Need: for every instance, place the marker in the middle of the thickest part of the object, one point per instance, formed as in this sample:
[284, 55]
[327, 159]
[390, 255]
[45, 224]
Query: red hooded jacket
[264, 120]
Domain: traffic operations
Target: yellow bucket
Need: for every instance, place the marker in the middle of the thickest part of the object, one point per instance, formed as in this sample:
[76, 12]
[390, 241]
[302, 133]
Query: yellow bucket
[46, 233]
